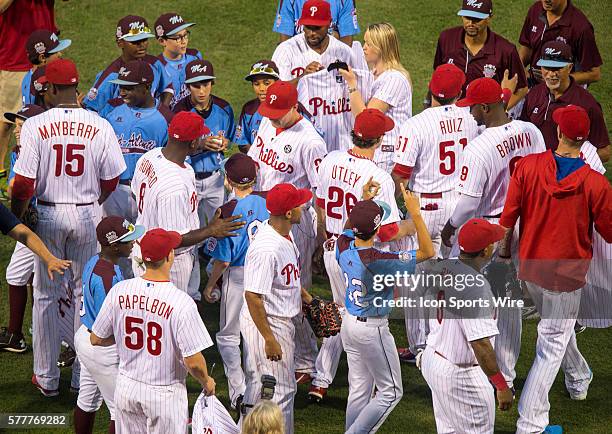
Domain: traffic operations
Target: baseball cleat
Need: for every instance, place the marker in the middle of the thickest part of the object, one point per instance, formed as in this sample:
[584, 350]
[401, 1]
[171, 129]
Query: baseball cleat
[66, 358]
[46, 392]
[530, 312]
[12, 342]
[316, 394]
[579, 328]
[302, 377]
[582, 395]
[237, 405]
[406, 356]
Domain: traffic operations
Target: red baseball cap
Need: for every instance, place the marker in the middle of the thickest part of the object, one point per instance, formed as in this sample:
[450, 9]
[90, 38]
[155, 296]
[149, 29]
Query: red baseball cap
[285, 197]
[281, 97]
[573, 122]
[372, 123]
[477, 234]
[62, 71]
[316, 13]
[157, 244]
[482, 91]
[187, 126]
[447, 81]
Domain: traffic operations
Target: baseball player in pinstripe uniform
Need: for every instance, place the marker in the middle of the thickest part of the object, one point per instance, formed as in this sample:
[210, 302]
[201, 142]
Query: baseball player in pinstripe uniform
[273, 297]
[165, 190]
[159, 337]
[210, 416]
[289, 149]
[459, 362]
[373, 361]
[488, 162]
[21, 266]
[343, 176]
[99, 365]
[427, 161]
[132, 37]
[313, 50]
[69, 159]
[172, 33]
[343, 23]
[229, 255]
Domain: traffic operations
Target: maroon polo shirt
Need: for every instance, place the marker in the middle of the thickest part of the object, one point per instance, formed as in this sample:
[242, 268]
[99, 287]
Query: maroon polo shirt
[497, 55]
[573, 28]
[540, 105]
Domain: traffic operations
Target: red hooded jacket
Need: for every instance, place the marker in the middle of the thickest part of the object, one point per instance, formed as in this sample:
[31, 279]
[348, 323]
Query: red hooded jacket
[556, 220]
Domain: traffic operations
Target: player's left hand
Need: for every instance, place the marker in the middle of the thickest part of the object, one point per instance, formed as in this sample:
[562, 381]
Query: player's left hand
[55, 265]
[504, 399]
[212, 143]
[509, 83]
[273, 350]
[370, 189]
[223, 142]
[349, 76]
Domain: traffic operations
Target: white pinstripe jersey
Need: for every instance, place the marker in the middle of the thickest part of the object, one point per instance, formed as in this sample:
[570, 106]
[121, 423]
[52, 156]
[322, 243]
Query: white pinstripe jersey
[342, 176]
[292, 155]
[272, 268]
[211, 417]
[156, 325]
[165, 194]
[68, 151]
[489, 159]
[432, 142]
[451, 329]
[294, 55]
[393, 88]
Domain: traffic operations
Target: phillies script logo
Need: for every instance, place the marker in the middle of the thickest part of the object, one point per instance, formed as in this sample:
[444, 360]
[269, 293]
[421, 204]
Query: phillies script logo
[290, 270]
[341, 105]
[271, 158]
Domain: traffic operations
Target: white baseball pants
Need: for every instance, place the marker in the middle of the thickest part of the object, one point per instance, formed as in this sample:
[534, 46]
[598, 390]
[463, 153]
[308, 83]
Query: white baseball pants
[228, 336]
[372, 362]
[99, 369]
[20, 268]
[463, 398]
[144, 408]
[256, 364]
[556, 347]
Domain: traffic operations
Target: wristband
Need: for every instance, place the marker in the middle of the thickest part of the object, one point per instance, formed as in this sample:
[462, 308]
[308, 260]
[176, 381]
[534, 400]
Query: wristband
[352, 89]
[499, 381]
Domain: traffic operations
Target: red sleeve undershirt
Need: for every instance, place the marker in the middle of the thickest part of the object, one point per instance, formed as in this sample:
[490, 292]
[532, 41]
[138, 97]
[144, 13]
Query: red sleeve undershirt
[320, 202]
[403, 171]
[23, 188]
[109, 185]
[387, 232]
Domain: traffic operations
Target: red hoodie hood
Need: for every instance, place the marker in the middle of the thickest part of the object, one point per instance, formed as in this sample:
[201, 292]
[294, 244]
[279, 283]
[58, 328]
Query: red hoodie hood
[567, 186]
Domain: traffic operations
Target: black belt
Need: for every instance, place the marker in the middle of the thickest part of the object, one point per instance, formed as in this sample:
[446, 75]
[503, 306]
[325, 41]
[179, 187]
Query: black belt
[203, 175]
[125, 182]
[45, 203]
[362, 318]
[496, 216]
[89, 331]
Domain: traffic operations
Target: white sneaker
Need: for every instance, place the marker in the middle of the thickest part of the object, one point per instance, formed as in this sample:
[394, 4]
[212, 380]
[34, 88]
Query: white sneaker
[582, 395]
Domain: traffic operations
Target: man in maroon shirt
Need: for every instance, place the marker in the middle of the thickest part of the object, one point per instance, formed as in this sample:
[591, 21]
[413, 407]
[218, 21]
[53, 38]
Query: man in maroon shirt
[479, 51]
[558, 90]
[555, 251]
[18, 19]
[560, 20]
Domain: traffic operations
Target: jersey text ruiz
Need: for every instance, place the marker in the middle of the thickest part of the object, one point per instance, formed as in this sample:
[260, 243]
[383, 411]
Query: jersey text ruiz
[449, 126]
[143, 302]
[65, 128]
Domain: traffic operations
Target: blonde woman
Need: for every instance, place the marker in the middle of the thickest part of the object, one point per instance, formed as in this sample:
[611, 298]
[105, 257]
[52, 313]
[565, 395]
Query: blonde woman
[391, 90]
[265, 418]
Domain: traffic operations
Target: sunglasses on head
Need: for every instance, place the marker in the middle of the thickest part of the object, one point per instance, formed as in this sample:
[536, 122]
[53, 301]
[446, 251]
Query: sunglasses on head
[264, 69]
[137, 31]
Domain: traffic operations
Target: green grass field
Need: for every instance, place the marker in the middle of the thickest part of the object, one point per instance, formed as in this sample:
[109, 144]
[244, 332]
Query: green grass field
[235, 33]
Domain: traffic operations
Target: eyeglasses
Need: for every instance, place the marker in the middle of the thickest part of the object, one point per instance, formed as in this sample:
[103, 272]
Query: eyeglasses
[177, 38]
[264, 69]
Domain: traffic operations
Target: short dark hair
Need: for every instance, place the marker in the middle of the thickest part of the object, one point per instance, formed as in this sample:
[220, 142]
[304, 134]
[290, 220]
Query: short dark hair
[363, 143]
[471, 255]
[34, 58]
[443, 101]
[365, 237]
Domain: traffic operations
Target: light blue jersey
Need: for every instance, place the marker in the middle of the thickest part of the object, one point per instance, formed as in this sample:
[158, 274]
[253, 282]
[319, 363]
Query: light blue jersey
[254, 213]
[138, 131]
[27, 97]
[176, 71]
[219, 118]
[344, 17]
[99, 276]
[103, 90]
[361, 266]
